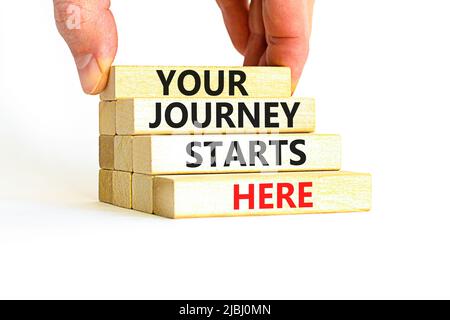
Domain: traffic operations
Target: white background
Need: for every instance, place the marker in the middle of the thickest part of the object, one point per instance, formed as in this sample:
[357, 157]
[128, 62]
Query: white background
[380, 71]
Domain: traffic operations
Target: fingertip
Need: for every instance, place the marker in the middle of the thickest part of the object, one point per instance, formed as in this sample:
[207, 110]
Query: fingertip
[288, 52]
[240, 46]
[296, 73]
[93, 73]
[294, 85]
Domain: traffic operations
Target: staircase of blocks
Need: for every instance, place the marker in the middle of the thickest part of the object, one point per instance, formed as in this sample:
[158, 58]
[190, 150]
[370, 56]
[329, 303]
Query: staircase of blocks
[192, 142]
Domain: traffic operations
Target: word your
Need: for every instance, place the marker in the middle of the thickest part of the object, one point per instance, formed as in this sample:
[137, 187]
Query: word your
[236, 80]
[283, 194]
[221, 114]
[256, 151]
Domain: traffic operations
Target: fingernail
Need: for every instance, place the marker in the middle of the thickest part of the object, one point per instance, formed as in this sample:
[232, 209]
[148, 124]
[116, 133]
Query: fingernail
[93, 80]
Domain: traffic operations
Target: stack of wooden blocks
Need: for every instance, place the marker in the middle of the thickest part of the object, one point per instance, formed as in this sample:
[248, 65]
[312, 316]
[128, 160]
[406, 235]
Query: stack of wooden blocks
[184, 142]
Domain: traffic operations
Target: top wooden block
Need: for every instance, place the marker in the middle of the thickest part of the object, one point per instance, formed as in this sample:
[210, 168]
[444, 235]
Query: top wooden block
[126, 82]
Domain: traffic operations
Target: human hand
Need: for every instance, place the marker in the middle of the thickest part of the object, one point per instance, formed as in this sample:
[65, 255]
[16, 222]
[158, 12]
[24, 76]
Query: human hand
[268, 32]
[89, 29]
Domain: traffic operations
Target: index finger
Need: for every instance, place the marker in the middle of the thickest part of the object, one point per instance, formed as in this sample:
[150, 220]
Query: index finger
[235, 15]
[288, 28]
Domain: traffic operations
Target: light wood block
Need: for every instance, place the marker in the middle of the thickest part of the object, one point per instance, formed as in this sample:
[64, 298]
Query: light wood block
[106, 152]
[143, 193]
[105, 186]
[115, 188]
[116, 153]
[192, 196]
[122, 189]
[127, 82]
[253, 153]
[107, 118]
[212, 116]
[123, 153]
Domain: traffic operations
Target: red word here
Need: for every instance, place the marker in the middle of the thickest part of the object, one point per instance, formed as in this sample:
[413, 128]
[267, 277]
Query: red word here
[271, 196]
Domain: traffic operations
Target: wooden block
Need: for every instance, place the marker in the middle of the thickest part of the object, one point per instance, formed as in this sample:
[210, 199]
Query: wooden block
[127, 82]
[123, 153]
[116, 153]
[179, 154]
[122, 189]
[105, 186]
[106, 152]
[107, 118]
[115, 188]
[192, 196]
[143, 193]
[209, 116]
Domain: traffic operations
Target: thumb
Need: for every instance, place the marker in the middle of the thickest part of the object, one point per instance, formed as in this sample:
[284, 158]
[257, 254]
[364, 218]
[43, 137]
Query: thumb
[89, 29]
